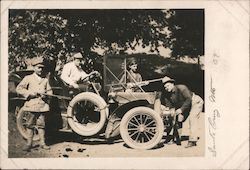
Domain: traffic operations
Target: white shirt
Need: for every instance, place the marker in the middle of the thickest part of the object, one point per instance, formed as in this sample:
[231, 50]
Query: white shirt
[72, 74]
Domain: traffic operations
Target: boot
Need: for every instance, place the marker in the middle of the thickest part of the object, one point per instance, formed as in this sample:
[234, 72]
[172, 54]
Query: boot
[41, 133]
[178, 136]
[28, 146]
[190, 144]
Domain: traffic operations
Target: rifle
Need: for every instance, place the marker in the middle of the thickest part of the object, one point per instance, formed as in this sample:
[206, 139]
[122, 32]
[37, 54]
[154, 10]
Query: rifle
[57, 96]
[141, 83]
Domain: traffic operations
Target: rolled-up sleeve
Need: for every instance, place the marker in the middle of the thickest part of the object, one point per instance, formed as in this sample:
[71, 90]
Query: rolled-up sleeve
[187, 94]
[65, 74]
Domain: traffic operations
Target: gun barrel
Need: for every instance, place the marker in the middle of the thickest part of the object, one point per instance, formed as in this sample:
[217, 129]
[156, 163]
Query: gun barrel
[142, 82]
[57, 96]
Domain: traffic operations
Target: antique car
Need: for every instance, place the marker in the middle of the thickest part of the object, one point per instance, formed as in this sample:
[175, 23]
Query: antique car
[108, 107]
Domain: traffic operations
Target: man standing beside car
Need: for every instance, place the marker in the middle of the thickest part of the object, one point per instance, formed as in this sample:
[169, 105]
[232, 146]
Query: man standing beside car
[33, 87]
[185, 103]
[73, 74]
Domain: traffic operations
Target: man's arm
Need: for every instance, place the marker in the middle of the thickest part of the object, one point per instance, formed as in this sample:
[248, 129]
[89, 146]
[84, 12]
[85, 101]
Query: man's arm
[22, 87]
[65, 75]
[187, 94]
[122, 80]
[165, 100]
[86, 77]
[139, 78]
[48, 88]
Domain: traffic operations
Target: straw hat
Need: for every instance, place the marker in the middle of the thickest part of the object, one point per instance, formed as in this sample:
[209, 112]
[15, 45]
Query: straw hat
[167, 79]
[78, 55]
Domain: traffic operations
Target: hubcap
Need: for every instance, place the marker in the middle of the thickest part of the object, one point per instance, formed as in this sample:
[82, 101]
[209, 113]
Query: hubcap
[142, 128]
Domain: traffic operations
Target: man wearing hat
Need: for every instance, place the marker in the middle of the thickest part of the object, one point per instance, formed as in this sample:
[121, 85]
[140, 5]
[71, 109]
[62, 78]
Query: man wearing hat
[32, 87]
[185, 103]
[72, 72]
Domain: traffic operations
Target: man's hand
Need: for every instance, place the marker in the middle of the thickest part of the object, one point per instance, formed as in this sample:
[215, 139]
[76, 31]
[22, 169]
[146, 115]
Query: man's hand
[178, 111]
[180, 118]
[32, 95]
[146, 83]
[94, 73]
[76, 86]
[172, 112]
[131, 85]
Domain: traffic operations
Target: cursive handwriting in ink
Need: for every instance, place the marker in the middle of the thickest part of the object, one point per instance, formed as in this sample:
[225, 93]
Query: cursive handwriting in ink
[215, 114]
[212, 131]
[215, 58]
[212, 120]
[212, 91]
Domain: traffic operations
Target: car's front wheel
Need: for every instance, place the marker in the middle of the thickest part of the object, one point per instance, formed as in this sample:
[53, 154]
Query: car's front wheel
[141, 128]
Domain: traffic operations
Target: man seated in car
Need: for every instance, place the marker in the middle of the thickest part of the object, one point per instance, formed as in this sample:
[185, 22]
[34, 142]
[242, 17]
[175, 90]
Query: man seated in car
[132, 77]
[74, 75]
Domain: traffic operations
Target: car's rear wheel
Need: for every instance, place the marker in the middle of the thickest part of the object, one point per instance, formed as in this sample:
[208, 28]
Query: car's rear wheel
[22, 121]
[141, 128]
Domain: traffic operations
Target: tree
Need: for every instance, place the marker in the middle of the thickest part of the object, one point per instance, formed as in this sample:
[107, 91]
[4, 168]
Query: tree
[33, 33]
[55, 34]
[187, 32]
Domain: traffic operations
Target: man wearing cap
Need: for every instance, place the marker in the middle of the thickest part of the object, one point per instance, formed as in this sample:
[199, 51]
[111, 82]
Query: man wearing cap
[72, 72]
[32, 87]
[132, 76]
[185, 103]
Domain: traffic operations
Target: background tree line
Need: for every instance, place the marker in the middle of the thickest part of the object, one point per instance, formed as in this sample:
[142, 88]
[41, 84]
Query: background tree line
[56, 34]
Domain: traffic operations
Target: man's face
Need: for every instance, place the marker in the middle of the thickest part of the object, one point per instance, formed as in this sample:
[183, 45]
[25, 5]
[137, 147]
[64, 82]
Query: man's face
[169, 86]
[133, 67]
[38, 69]
[77, 62]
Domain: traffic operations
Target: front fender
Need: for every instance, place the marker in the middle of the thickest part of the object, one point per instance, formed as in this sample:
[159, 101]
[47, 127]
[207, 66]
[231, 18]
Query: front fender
[113, 126]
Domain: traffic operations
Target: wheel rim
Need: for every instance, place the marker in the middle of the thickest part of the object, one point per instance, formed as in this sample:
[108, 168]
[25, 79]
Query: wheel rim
[141, 128]
[86, 115]
[23, 128]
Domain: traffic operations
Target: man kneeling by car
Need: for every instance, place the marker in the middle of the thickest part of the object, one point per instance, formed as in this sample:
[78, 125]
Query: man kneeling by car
[185, 103]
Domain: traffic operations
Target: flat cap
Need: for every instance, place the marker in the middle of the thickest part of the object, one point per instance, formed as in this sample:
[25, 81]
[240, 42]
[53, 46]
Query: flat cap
[37, 61]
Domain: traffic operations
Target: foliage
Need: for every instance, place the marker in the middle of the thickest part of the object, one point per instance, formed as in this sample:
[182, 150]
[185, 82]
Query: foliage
[187, 32]
[103, 28]
[56, 34]
[34, 33]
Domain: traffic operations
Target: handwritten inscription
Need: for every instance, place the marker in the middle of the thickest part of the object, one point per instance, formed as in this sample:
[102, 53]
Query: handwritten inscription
[215, 58]
[212, 91]
[212, 118]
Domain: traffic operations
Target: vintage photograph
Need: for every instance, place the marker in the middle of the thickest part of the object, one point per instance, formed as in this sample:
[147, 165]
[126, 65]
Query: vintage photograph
[124, 84]
[106, 83]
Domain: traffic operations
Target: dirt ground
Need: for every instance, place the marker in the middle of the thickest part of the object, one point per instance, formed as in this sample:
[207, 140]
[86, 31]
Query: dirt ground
[68, 145]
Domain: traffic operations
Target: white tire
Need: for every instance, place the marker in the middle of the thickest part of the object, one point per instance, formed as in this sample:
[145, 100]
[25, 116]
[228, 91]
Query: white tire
[82, 108]
[141, 128]
[21, 120]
